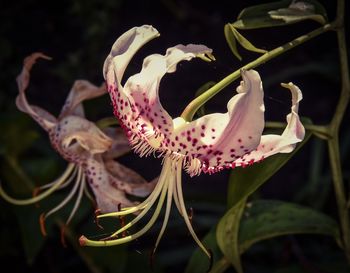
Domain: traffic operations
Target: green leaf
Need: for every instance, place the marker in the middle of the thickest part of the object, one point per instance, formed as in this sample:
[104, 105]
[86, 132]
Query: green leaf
[231, 35]
[28, 221]
[280, 13]
[231, 40]
[32, 239]
[197, 262]
[244, 181]
[264, 219]
[101, 259]
[227, 234]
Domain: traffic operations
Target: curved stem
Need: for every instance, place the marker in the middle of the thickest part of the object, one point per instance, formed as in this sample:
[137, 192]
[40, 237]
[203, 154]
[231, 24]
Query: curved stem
[333, 143]
[194, 105]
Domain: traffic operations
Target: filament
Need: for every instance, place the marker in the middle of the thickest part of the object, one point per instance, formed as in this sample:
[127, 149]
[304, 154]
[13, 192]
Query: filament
[56, 184]
[167, 212]
[80, 195]
[184, 212]
[84, 241]
[155, 193]
[65, 184]
[68, 197]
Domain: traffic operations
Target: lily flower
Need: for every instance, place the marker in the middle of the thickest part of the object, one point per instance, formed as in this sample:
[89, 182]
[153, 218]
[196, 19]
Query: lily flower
[89, 151]
[208, 144]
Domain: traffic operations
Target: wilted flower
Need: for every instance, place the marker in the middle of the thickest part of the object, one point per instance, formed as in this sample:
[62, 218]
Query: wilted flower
[89, 151]
[209, 144]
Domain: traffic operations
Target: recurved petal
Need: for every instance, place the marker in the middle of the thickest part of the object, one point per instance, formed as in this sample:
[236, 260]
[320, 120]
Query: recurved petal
[93, 143]
[218, 139]
[74, 135]
[128, 180]
[45, 119]
[81, 90]
[148, 119]
[123, 50]
[285, 143]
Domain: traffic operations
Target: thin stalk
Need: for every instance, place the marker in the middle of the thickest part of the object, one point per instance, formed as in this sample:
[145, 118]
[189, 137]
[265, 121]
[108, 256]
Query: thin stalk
[333, 143]
[194, 105]
[334, 158]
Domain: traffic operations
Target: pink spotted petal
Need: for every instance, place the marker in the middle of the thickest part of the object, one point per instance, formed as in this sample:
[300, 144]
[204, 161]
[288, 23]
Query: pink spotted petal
[285, 143]
[81, 90]
[128, 180]
[45, 119]
[149, 121]
[116, 62]
[108, 196]
[218, 139]
[123, 50]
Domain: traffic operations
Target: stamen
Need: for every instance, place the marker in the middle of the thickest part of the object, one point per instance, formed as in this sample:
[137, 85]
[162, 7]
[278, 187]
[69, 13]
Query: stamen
[97, 222]
[162, 182]
[86, 242]
[68, 197]
[65, 184]
[56, 185]
[122, 222]
[89, 196]
[80, 195]
[176, 199]
[167, 213]
[155, 193]
[184, 212]
[42, 224]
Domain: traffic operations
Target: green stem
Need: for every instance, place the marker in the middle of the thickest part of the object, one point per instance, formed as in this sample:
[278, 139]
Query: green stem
[334, 158]
[333, 143]
[194, 105]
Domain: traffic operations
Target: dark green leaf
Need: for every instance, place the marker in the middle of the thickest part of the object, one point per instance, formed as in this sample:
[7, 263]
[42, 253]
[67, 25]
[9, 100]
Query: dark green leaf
[231, 40]
[32, 239]
[280, 13]
[231, 35]
[244, 181]
[264, 219]
[28, 220]
[197, 263]
[227, 234]
[101, 259]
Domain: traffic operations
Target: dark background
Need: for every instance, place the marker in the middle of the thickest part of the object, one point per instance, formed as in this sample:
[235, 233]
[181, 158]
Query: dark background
[78, 36]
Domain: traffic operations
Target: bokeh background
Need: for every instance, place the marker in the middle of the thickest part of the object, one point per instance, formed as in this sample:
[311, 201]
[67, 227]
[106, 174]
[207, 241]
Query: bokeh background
[78, 36]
